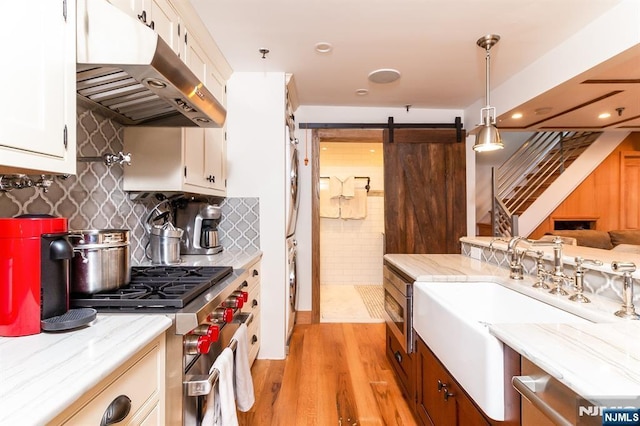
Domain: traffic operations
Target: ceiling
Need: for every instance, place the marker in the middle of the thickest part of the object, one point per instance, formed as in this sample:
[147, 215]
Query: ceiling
[432, 43]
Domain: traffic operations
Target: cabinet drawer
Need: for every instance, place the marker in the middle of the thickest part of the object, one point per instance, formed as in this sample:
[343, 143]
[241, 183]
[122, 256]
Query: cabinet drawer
[253, 278]
[253, 303]
[401, 362]
[253, 334]
[141, 382]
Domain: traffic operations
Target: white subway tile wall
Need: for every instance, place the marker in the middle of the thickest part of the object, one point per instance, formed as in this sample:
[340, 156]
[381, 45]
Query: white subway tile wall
[351, 250]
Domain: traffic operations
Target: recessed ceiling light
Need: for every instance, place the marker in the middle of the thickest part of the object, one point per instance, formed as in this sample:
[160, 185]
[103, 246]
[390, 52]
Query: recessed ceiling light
[372, 151]
[517, 115]
[542, 111]
[604, 115]
[324, 148]
[362, 92]
[384, 75]
[323, 47]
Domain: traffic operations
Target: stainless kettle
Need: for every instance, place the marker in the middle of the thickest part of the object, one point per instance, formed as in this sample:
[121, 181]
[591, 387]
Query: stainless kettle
[164, 244]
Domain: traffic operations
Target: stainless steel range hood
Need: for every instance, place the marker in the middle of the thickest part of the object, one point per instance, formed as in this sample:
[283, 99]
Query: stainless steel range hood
[126, 71]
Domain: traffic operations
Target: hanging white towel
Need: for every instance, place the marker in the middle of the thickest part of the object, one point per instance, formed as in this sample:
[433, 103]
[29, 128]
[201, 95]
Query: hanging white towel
[329, 207]
[355, 207]
[349, 187]
[244, 383]
[221, 406]
[335, 187]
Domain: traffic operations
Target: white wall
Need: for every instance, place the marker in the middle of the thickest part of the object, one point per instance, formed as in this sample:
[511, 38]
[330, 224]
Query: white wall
[325, 114]
[256, 149]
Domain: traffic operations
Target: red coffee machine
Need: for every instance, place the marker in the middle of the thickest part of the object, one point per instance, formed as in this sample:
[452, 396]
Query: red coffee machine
[34, 272]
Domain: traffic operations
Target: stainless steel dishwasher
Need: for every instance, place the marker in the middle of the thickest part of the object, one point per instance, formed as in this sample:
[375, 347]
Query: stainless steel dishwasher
[546, 401]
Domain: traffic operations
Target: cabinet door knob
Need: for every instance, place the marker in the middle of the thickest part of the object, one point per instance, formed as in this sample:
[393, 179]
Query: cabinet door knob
[143, 17]
[447, 394]
[441, 386]
[116, 411]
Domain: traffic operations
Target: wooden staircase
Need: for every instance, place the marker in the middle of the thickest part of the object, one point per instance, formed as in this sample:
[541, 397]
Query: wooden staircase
[529, 172]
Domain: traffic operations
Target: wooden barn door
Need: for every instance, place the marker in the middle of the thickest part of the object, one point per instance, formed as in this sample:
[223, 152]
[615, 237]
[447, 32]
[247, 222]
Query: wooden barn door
[425, 191]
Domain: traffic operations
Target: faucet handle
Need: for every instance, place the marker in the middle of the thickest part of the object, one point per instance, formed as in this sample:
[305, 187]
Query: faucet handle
[622, 266]
[580, 261]
[536, 253]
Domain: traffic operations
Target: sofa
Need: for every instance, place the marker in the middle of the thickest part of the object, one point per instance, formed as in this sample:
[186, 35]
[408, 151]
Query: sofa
[627, 240]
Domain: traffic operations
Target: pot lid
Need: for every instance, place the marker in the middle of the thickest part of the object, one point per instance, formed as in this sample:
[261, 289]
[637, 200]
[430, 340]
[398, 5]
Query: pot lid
[166, 230]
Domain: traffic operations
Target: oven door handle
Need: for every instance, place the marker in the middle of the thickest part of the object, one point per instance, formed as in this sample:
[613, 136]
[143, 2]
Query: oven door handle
[201, 384]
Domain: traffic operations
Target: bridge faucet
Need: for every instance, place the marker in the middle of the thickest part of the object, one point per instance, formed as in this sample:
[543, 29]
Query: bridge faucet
[628, 311]
[558, 276]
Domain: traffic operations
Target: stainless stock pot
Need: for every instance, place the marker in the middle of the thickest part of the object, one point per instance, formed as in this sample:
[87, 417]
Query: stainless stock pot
[101, 260]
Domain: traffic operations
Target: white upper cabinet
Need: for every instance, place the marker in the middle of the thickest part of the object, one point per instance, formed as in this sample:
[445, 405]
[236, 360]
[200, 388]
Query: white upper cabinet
[189, 159]
[194, 56]
[156, 14]
[163, 18]
[38, 110]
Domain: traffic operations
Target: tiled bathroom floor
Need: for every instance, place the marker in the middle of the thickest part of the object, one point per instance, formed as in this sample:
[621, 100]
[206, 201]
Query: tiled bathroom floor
[343, 303]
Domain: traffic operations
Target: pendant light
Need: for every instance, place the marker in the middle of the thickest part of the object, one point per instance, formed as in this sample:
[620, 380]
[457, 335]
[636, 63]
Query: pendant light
[488, 138]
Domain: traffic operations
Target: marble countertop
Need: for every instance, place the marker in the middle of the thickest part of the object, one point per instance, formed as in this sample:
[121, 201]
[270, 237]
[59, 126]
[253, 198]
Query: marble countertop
[598, 358]
[42, 374]
[593, 360]
[237, 259]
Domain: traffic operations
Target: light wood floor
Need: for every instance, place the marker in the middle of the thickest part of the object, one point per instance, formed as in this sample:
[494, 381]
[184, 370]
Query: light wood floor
[335, 374]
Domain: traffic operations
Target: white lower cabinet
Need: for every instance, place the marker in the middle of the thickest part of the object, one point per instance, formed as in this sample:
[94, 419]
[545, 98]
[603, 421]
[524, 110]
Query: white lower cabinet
[253, 306]
[140, 380]
[176, 160]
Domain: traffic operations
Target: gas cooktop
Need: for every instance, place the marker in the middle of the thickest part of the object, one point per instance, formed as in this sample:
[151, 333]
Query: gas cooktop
[155, 289]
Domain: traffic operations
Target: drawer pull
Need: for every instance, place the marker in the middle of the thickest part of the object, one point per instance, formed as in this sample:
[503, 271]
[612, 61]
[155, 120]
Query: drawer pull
[254, 303]
[116, 411]
[254, 273]
[254, 339]
[398, 357]
[244, 284]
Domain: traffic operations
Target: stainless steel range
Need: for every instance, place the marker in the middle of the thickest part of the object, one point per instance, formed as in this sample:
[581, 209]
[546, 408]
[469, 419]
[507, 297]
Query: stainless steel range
[205, 303]
[156, 289]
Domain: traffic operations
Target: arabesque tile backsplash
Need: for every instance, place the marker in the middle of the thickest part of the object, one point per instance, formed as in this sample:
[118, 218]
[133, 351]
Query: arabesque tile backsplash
[94, 198]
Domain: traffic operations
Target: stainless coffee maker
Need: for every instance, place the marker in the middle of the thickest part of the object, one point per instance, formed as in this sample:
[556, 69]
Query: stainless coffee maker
[199, 220]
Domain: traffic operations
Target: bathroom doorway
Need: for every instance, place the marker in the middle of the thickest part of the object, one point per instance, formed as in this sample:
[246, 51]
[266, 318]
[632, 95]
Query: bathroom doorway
[349, 223]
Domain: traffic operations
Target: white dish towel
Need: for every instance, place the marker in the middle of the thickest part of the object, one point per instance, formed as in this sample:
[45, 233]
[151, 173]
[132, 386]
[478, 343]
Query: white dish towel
[221, 406]
[349, 187]
[335, 187]
[355, 207]
[244, 383]
[329, 207]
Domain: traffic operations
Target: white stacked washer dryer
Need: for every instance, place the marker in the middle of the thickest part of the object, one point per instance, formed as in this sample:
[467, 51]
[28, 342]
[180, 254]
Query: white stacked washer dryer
[293, 201]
